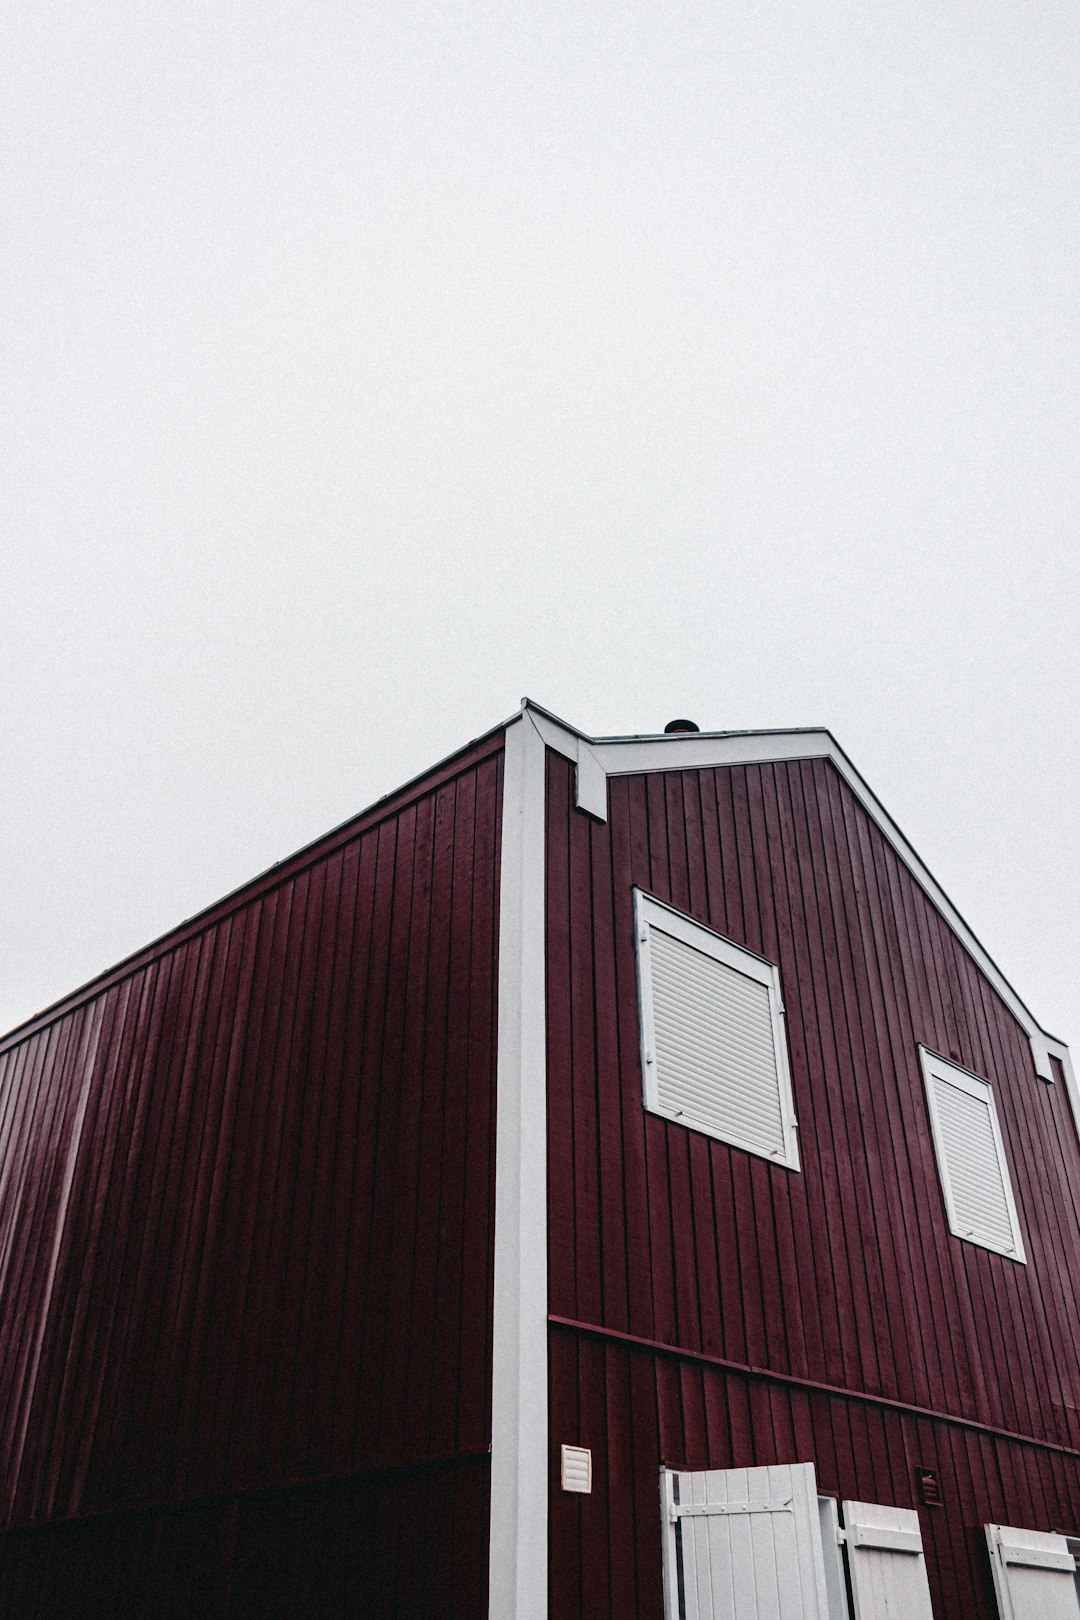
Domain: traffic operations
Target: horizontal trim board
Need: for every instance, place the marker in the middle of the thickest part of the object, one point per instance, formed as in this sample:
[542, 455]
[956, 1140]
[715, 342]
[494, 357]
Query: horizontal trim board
[710, 1510]
[905, 1541]
[792, 1381]
[1031, 1558]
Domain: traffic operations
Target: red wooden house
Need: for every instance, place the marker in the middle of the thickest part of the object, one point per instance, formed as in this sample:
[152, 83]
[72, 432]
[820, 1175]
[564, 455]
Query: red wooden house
[607, 1179]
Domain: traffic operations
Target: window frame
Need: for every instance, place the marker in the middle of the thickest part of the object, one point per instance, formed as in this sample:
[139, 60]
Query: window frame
[649, 913]
[935, 1067]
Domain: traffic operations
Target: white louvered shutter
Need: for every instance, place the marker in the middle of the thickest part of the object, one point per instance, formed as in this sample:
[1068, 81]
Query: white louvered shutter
[971, 1158]
[714, 1052]
[743, 1544]
[1034, 1574]
[886, 1562]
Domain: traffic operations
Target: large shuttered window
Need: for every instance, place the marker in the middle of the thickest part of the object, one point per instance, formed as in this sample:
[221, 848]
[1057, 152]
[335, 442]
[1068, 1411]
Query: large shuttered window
[714, 1053]
[971, 1157]
[743, 1544]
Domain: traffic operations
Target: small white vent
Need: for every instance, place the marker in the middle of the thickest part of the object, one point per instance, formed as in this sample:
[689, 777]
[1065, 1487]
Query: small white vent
[577, 1469]
[971, 1157]
[713, 1048]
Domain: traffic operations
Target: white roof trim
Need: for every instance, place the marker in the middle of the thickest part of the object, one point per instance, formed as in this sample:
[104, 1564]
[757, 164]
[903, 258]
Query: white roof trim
[623, 756]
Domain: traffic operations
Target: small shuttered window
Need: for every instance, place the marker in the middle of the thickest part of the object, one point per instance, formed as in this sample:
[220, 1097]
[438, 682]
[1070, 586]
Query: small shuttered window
[1035, 1575]
[714, 1054]
[971, 1157]
[886, 1562]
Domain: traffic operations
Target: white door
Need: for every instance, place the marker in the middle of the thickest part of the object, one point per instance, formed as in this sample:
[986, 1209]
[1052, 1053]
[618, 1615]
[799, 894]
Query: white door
[886, 1562]
[1034, 1574]
[743, 1544]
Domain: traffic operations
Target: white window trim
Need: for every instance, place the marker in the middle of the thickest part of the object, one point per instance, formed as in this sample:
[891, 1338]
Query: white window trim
[649, 912]
[939, 1068]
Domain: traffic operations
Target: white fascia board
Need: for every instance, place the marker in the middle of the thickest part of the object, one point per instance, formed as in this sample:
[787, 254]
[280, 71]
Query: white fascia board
[518, 1536]
[625, 756]
[700, 750]
[590, 776]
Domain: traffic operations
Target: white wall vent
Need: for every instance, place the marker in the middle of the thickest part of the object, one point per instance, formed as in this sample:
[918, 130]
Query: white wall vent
[971, 1157]
[577, 1469]
[714, 1052]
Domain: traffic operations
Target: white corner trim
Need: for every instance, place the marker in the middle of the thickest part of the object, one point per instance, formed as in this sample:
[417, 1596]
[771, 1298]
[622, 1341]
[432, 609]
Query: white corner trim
[590, 784]
[1059, 1050]
[518, 1538]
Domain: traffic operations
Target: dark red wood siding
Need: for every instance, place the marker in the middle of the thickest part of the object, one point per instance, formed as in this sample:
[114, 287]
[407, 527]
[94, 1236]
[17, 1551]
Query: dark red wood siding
[637, 1409]
[246, 1210]
[844, 1274]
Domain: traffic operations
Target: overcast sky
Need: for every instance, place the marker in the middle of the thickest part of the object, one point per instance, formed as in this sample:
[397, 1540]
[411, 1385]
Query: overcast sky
[369, 365]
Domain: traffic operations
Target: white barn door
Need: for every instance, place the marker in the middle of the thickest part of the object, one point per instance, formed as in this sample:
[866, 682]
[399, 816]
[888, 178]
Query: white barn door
[886, 1563]
[743, 1544]
[1034, 1574]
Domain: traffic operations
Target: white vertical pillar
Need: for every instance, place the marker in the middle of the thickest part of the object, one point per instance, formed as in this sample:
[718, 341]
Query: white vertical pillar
[517, 1549]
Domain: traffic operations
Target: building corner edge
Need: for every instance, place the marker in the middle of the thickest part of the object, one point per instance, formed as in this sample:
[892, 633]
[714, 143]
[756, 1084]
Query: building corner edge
[518, 1530]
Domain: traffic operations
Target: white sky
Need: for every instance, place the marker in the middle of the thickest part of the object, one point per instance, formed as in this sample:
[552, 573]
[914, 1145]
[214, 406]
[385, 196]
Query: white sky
[369, 365]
